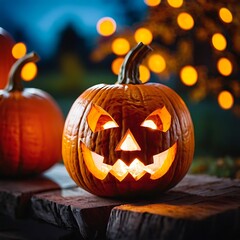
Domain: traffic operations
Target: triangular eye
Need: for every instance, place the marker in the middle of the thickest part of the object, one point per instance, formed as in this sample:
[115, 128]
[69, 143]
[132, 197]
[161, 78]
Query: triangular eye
[160, 120]
[98, 119]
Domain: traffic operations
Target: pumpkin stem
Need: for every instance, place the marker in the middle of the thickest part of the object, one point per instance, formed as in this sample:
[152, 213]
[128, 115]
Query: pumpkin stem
[129, 72]
[15, 82]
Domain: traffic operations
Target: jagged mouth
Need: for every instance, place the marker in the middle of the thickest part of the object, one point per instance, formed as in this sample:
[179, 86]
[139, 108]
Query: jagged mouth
[160, 166]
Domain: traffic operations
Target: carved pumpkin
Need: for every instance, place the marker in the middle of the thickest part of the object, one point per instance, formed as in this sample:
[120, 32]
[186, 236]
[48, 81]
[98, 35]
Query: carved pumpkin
[6, 57]
[31, 125]
[128, 139]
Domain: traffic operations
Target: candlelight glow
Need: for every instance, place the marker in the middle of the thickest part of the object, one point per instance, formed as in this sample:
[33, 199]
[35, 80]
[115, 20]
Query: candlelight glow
[224, 66]
[185, 21]
[189, 75]
[106, 26]
[120, 46]
[128, 143]
[19, 50]
[29, 71]
[143, 35]
[225, 100]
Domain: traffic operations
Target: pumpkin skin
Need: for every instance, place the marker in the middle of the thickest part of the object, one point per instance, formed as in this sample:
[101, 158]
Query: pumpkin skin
[31, 125]
[6, 59]
[128, 104]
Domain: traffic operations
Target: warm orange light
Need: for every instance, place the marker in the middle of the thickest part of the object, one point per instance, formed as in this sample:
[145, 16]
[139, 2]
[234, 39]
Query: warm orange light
[29, 71]
[156, 63]
[116, 65]
[219, 41]
[189, 75]
[225, 100]
[152, 3]
[128, 143]
[224, 66]
[19, 50]
[225, 15]
[185, 21]
[106, 26]
[144, 73]
[175, 3]
[143, 35]
[120, 46]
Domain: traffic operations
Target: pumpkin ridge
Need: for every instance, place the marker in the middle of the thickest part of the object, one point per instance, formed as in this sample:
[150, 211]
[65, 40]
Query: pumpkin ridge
[86, 178]
[172, 97]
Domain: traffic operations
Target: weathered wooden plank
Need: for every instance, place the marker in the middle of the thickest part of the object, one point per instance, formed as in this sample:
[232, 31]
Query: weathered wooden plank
[200, 207]
[75, 209]
[16, 193]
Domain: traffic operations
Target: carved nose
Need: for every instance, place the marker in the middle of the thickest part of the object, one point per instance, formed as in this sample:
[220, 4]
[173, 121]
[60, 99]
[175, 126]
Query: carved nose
[128, 143]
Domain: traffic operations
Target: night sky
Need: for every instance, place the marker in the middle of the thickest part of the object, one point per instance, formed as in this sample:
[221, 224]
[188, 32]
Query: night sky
[39, 23]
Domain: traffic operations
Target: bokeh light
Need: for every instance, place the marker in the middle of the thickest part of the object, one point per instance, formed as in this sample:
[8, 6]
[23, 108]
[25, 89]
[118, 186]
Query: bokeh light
[106, 26]
[225, 100]
[19, 50]
[144, 73]
[152, 3]
[225, 15]
[116, 65]
[29, 71]
[185, 21]
[188, 75]
[156, 63]
[120, 46]
[175, 3]
[143, 35]
[224, 66]
[219, 41]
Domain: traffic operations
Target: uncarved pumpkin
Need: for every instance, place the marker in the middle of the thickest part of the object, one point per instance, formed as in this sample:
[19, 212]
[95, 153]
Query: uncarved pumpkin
[31, 125]
[128, 139]
[6, 57]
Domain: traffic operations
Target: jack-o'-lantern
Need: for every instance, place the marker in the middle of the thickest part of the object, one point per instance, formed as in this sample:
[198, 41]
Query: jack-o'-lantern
[128, 139]
[31, 125]
[6, 57]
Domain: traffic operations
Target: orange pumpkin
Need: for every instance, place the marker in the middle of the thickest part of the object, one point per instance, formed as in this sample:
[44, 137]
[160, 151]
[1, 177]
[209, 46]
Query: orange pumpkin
[31, 125]
[6, 57]
[128, 139]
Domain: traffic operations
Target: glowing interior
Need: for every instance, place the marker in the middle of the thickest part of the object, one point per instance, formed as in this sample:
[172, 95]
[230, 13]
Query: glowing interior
[128, 143]
[98, 119]
[160, 119]
[161, 164]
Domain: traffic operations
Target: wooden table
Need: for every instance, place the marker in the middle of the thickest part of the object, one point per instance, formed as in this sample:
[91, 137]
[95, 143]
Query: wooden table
[52, 207]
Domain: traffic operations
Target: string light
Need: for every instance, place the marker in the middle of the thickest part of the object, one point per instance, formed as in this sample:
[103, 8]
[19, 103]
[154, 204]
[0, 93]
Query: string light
[175, 3]
[185, 21]
[106, 26]
[29, 71]
[19, 50]
[225, 100]
[219, 41]
[116, 65]
[156, 63]
[225, 15]
[189, 75]
[152, 3]
[224, 66]
[120, 46]
[144, 73]
[214, 41]
[143, 35]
